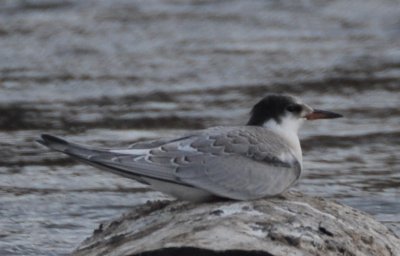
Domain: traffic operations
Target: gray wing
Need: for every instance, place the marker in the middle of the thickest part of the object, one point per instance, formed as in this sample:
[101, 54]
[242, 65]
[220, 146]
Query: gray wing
[235, 163]
[135, 162]
[149, 144]
[241, 164]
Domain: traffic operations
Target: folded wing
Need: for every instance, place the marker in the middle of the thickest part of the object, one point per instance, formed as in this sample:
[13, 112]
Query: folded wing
[234, 163]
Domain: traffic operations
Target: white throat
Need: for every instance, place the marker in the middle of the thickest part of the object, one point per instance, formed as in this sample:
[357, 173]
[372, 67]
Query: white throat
[287, 128]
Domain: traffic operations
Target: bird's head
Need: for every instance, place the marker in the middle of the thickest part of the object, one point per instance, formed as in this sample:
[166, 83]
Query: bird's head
[281, 111]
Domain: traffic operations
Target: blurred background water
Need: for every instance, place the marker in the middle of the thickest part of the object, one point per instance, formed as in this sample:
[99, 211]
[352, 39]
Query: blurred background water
[109, 73]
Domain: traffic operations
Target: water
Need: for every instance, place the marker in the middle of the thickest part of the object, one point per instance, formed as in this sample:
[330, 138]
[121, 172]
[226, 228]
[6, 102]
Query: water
[109, 73]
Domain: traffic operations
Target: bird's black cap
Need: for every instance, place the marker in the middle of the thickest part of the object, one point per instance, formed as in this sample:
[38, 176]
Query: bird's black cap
[271, 106]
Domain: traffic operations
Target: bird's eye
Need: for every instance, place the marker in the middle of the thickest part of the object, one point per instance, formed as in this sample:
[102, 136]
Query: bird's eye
[294, 108]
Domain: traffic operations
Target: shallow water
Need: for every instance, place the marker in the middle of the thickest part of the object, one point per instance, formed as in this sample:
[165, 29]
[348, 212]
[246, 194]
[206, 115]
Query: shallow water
[111, 73]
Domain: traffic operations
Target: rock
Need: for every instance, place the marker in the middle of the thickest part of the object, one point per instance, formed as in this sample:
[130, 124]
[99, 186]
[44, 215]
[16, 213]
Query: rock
[291, 225]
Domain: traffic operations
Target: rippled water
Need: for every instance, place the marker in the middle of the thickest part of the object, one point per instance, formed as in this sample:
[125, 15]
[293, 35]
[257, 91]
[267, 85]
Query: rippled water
[109, 73]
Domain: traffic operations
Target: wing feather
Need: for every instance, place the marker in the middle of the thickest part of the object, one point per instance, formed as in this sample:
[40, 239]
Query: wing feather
[237, 162]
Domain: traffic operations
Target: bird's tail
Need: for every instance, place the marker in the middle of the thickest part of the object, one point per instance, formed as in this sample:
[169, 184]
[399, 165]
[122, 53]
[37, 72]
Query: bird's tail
[72, 149]
[88, 155]
[79, 152]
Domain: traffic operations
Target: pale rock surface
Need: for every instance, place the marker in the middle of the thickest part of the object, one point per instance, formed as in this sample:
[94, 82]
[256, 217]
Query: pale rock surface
[294, 224]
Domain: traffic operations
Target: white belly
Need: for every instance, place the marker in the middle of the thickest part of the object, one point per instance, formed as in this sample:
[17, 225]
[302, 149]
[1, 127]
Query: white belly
[180, 191]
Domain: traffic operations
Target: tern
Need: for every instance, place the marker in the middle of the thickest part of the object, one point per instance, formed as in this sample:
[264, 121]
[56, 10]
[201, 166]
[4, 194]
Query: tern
[260, 159]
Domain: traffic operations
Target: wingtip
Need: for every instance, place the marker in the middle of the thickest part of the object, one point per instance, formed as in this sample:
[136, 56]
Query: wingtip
[47, 138]
[40, 141]
[52, 141]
